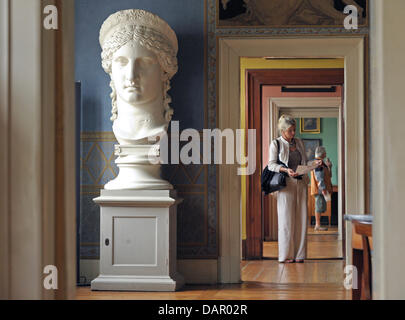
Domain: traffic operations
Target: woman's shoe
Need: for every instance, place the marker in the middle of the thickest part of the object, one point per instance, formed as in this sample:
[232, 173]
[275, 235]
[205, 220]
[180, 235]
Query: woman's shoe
[287, 261]
[320, 229]
[299, 260]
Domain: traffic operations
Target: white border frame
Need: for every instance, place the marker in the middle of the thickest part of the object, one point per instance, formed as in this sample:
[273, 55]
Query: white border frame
[230, 52]
[33, 234]
[4, 145]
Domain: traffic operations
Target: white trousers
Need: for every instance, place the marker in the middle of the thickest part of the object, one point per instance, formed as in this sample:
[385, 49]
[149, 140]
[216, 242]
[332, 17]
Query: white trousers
[292, 220]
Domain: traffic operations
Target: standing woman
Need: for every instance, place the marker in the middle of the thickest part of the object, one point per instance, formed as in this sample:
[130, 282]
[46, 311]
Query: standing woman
[291, 200]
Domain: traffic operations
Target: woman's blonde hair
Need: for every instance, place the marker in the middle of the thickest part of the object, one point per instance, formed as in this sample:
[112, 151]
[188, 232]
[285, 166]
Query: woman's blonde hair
[285, 122]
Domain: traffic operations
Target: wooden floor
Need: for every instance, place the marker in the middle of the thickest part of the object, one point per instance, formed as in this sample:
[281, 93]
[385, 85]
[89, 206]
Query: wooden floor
[321, 245]
[243, 291]
[331, 230]
[262, 280]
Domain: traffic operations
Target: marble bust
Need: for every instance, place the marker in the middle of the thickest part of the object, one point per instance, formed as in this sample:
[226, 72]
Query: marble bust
[139, 52]
[138, 208]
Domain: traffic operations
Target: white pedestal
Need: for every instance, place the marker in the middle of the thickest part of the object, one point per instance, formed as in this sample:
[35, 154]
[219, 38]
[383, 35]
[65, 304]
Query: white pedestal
[137, 170]
[138, 241]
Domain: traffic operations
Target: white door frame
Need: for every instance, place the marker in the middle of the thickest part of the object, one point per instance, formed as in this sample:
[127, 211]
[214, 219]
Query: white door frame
[230, 51]
[326, 107]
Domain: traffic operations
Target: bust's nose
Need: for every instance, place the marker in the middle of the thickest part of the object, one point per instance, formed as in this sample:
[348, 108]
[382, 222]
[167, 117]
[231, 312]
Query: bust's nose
[132, 71]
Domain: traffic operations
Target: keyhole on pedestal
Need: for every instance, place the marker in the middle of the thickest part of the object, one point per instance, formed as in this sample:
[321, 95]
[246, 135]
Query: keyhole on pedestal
[107, 242]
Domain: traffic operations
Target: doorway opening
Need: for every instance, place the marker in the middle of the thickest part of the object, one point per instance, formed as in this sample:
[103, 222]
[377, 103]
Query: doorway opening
[301, 96]
[351, 49]
[317, 114]
[325, 243]
[265, 102]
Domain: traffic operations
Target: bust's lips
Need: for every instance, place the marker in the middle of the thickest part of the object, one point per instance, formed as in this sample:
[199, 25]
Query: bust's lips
[133, 89]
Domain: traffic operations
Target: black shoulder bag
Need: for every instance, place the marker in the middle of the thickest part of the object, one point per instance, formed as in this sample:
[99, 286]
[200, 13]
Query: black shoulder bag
[273, 181]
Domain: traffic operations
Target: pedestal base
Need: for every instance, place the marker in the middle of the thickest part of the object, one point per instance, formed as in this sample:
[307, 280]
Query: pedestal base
[138, 241]
[136, 171]
[133, 283]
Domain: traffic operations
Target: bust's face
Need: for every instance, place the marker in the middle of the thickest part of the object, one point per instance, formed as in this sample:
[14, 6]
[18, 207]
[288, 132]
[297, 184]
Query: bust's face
[136, 74]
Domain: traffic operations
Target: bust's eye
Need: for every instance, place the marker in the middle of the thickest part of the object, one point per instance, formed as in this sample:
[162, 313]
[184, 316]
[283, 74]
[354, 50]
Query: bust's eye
[121, 61]
[146, 61]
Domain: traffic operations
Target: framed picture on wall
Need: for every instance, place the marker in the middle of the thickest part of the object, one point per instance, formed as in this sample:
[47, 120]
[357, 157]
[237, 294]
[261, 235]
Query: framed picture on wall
[310, 125]
[287, 13]
[310, 147]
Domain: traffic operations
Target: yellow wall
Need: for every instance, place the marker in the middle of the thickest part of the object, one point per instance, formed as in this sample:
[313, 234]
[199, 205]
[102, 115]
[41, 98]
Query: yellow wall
[261, 63]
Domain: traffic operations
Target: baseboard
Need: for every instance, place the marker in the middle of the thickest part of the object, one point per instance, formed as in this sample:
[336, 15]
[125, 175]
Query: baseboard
[198, 271]
[194, 271]
[89, 270]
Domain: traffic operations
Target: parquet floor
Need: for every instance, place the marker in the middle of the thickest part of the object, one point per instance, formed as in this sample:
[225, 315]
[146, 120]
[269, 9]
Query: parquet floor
[321, 245]
[262, 280]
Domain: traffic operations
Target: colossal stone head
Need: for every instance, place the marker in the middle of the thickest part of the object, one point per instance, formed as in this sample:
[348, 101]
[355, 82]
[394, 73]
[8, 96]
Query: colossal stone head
[139, 52]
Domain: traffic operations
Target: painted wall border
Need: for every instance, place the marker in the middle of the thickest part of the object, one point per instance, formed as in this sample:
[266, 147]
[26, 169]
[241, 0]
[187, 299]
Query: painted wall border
[366, 24]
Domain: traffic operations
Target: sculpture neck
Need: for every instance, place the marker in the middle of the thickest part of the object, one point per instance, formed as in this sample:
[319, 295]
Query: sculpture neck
[139, 121]
[153, 109]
